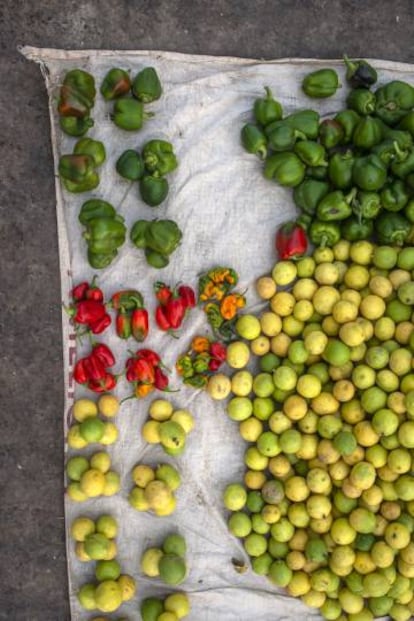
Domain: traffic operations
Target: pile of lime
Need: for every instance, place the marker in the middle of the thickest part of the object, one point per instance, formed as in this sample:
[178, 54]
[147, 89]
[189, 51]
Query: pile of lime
[167, 427]
[95, 539]
[154, 489]
[326, 508]
[174, 607]
[89, 427]
[109, 593]
[90, 478]
[167, 562]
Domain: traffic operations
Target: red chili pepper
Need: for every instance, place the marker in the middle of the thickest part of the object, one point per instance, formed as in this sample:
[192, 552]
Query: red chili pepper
[291, 241]
[95, 368]
[144, 371]
[161, 318]
[93, 292]
[188, 296]
[79, 372]
[161, 380]
[162, 292]
[103, 385]
[123, 324]
[139, 324]
[130, 370]
[127, 300]
[78, 293]
[104, 354]
[150, 356]
[97, 327]
[88, 311]
[218, 351]
[175, 312]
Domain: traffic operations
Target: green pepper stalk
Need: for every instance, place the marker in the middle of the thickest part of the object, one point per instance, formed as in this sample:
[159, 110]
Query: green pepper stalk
[311, 153]
[285, 168]
[394, 196]
[281, 136]
[367, 133]
[254, 140]
[267, 109]
[331, 133]
[321, 84]
[130, 165]
[147, 86]
[305, 121]
[95, 208]
[392, 228]
[324, 233]
[335, 206]
[348, 120]
[116, 83]
[129, 114]
[355, 229]
[308, 194]
[366, 205]
[359, 73]
[153, 190]
[369, 173]
[340, 169]
[159, 157]
[393, 101]
[362, 101]
[94, 148]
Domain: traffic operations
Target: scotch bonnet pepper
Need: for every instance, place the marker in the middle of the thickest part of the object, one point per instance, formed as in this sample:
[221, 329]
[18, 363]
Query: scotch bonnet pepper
[356, 229]
[335, 206]
[305, 121]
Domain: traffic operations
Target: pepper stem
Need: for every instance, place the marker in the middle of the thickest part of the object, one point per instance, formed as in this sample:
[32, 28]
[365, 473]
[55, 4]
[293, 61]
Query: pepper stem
[349, 64]
[350, 196]
[269, 94]
[400, 153]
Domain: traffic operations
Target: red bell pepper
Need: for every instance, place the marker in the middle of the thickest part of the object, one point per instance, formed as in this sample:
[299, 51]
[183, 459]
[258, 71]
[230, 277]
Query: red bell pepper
[123, 324]
[88, 311]
[161, 318]
[104, 354]
[175, 312]
[94, 368]
[78, 293]
[144, 371]
[80, 374]
[103, 385]
[291, 241]
[162, 292]
[126, 300]
[218, 351]
[187, 295]
[93, 292]
[160, 380]
[150, 356]
[139, 324]
[97, 327]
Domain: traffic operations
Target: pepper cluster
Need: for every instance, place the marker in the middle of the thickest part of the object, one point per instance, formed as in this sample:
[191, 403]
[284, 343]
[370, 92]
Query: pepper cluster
[92, 370]
[353, 174]
[159, 239]
[149, 168]
[78, 169]
[201, 361]
[221, 303]
[88, 307]
[144, 372]
[105, 231]
[173, 305]
[130, 96]
[76, 99]
[132, 316]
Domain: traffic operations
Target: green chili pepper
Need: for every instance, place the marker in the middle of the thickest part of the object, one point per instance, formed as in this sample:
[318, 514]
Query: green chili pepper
[281, 136]
[366, 205]
[308, 194]
[311, 153]
[369, 173]
[393, 101]
[407, 123]
[394, 196]
[348, 120]
[405, 167]
[129, 114]
[138, 232]
[324, 233]
[354, 229]
[76, 168]
[130, 165]
[285, 168]
[335, 206]
[267, 109]
[359, 73]
[367, 133]
[156, 259]
[319, 173]
[101, 260]
[409, 211]
[340, 169]
[116, 83]
[254, 140]
[104, 235]
[147, 86]
[75, 126]
[362, 101]
[159, 157]
[163, 236]
[305, 121]
[94, 148]
[95, 208]
[320, 84]
[88, 184]
[331, 133]
[392, 228]
[153, 190]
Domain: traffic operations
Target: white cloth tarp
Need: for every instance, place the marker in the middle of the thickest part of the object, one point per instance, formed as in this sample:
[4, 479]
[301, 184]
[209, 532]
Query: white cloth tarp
[228, 214]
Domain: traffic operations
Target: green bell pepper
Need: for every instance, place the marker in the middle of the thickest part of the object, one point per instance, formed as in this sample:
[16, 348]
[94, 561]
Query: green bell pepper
[138, 232]
[402, 137]
[362, 101]
[366, 205]
[75, 126]
[101, 260]
[95, 208]
[354, 229]
[267, 109]
[130, 165]
[394, 196]
[77, 94]
[159, 157]
[319, 173]
[94, 148]
[163, 236]
[403, 168]
[369, 173]
[321, 84]
[88, 184]
[254, 140]
[76, 168]
[305, 121]
[367, 133]
[153, 190]
[335, 206]
[281, 136]
[147, 86]
[285, 168]
[104, 235]
[348, 120]
[81, 82]
[393, 101]
[129, 114]
[311, 153]
[116, 83]
[359, 73]
[409, 211]
[331, 133]
[407, 123]
[388, 151]
[392, 228]
[308, 194]
[340, 169]
[324, 233]
[156, 259]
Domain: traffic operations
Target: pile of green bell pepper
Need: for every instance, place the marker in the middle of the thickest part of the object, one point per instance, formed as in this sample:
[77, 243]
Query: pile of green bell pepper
[159, 239]
[78, 169]
[104, 233]
[352, 175]
[76, 100]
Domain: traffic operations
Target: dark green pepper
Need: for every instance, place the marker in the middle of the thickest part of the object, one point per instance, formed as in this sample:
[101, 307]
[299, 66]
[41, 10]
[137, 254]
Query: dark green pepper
[153, 190]
[340, 169]
[147, 86]
[321, 84]
[104, 235]
[130, 165]
[311, 153]
[163, 236]
[155, 259]
[95, 208]
[88, 184]
[354, 229]
[407, 123]
[308, 194]
[362, 101]
[75, 126]
[335, 206]
[281, 136]
[405, 167]
[285, 168]
[324, 233]
[76, 167]
[94, 148]
[388, 151]
[394, 196]
[129, 114]
[138, 232]
[101, 260]
[369, 173]
[392, 228]
[267, 109]
[331, 133]
[305, 121]
[366, 205]
[409, 211]
[367, 133]
[159, 157]
[359, 73]
[393, 101]
[254, 140]
[115, 84]
[348, 120]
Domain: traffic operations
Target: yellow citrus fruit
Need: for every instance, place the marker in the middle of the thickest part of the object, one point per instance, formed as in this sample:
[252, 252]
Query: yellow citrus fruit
[112, 483]
[84, 408]
[160, 409]
[110, 434]
[81, 527]
[128, 587]
[151, 431]
[100, 461]
[142, 475]
[108, 405]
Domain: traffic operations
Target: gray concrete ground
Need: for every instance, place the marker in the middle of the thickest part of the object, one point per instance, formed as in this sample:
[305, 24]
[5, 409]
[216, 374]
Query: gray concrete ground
[33, 586]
